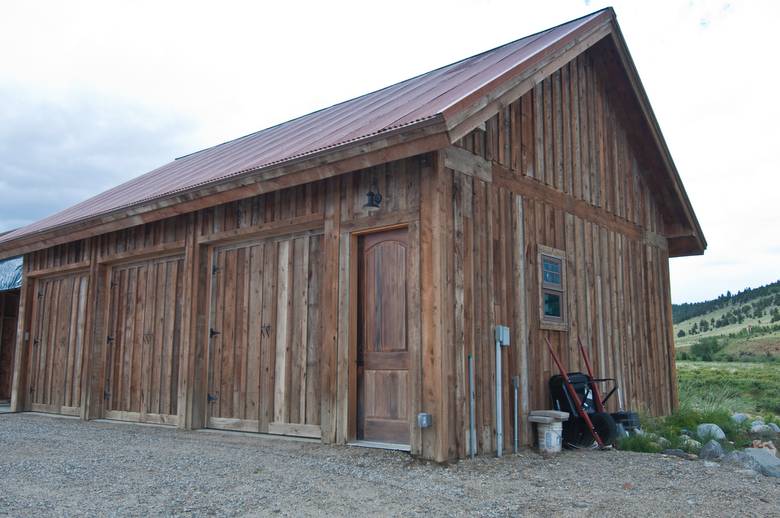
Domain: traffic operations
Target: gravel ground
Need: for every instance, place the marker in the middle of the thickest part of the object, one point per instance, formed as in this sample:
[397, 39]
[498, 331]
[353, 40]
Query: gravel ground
[65, 467]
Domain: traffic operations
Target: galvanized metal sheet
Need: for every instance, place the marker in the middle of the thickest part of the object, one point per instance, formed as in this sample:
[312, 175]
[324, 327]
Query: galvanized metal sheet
[10, 274]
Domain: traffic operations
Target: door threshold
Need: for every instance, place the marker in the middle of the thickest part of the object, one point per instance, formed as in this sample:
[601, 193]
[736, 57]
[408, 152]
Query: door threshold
[381, 445]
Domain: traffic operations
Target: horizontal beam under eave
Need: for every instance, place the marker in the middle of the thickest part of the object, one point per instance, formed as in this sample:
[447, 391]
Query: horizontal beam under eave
[683, 246]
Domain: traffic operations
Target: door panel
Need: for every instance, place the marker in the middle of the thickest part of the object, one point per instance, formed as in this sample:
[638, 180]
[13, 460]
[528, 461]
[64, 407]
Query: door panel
[263, 367]
[142, 345]
[383, 412]
[57, 338]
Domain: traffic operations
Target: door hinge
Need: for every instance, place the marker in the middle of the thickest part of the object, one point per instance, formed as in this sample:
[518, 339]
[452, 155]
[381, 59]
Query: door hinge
[211, 398]
[40, 294]
[213, 333]
[109, 340]
[113, 284]
[215, 270]
[36, 341]
[106, 394]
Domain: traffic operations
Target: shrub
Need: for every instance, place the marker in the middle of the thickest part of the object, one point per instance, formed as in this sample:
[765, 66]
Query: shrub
[706, 348]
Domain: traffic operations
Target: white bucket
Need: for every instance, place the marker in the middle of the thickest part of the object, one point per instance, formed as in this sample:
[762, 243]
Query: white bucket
[550, 437]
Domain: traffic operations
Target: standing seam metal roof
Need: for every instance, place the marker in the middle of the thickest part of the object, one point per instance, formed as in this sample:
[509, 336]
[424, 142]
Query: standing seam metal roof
[408, 103]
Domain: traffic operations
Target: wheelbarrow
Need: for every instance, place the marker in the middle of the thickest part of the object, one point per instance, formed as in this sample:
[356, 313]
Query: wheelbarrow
[579, 394]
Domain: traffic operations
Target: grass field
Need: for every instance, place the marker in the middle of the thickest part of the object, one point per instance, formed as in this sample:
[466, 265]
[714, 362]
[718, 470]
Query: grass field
[752, 387]
[710, 392]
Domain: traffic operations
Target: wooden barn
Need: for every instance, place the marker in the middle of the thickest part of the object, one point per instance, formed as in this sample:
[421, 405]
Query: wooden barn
[330, 277]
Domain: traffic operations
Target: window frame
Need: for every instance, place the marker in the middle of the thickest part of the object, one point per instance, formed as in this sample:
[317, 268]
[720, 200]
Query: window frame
[546, 321]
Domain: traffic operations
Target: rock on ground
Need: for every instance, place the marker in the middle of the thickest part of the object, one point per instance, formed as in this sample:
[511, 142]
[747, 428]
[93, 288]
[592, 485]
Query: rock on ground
[768, 463]
[66, 467]
[710, 431]
[711, 451]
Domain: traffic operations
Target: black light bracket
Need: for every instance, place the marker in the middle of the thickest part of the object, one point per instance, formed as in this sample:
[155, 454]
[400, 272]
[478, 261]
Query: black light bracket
[373, 198]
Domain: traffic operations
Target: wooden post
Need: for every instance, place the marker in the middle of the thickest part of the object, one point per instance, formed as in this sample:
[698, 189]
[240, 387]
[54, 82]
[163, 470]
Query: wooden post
[186, 406]
[330, 305]
[92, 366]
[437, 308]
[19, 390]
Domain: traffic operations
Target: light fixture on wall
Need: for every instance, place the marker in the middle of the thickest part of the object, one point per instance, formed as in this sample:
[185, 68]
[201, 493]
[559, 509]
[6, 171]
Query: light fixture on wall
[373, 198]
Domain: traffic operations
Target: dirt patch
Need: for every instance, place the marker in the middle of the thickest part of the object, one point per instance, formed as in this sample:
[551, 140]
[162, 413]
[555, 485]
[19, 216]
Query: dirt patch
[62, 467]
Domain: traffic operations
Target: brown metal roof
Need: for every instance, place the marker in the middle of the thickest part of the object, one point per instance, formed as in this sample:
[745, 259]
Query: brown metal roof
[434, 95]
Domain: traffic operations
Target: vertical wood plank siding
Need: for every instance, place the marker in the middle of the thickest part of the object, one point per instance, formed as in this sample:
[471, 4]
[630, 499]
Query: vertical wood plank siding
[242, 315]
[567, 135]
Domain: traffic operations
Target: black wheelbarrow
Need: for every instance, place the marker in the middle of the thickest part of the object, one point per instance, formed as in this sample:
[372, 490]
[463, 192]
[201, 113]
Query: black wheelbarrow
[579, 395]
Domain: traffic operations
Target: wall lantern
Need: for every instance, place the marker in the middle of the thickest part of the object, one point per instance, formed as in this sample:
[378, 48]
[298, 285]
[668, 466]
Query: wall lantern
[373, 198]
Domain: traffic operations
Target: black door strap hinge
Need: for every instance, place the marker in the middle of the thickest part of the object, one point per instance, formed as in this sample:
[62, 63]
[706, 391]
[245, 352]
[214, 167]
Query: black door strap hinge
[213, 333]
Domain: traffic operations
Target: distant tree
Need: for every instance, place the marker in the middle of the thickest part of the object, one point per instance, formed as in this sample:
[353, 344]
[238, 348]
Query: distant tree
[681, 333]
[706, 348]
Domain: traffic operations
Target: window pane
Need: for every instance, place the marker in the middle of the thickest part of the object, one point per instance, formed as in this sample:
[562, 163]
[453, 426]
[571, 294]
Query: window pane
[552, 305]
[552, 270]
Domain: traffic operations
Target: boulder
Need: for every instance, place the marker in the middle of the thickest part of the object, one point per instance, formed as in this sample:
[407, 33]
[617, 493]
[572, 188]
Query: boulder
[769, 465]
[664, 442]
[688, 444]
[711, 451]
[710, 431]
[768, 445]
[757, 421]
[761, 430]
[739, 418]
[742, 460]
[774, 427]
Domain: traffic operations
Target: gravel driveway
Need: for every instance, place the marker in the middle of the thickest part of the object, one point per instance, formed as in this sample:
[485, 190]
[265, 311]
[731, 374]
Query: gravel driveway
[64, 467]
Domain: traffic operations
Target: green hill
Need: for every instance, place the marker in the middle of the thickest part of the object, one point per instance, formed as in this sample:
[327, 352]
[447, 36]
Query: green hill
[742, 326]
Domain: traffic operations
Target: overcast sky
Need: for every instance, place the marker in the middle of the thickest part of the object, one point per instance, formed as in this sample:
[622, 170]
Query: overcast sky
[95, 93]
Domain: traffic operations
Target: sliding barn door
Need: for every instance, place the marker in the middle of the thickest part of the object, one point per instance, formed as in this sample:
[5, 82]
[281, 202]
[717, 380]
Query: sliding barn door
[57, 343]
[383, 351]
[264, 337]
[144, 331]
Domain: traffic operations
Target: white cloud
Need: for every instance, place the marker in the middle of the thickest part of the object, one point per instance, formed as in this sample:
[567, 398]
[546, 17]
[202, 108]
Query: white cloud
[95, 92]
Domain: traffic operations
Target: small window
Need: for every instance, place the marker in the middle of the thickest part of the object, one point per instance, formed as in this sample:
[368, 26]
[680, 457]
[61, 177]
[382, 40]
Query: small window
[552, 272]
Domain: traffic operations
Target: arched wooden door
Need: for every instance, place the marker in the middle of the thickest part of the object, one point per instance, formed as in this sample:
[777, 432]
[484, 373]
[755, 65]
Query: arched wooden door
[383, 350]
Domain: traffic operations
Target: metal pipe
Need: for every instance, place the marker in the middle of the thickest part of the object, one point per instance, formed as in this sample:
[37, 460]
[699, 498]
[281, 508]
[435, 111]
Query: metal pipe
[499, 415]
[516, 386]
[472, 425]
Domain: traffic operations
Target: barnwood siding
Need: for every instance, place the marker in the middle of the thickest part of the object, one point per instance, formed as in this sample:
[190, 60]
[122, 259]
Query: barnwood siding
[564, 175]
[59, 313]
[143, 341]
